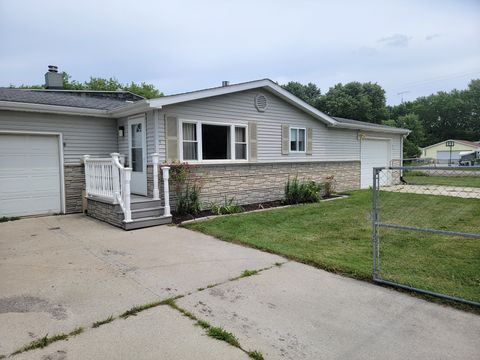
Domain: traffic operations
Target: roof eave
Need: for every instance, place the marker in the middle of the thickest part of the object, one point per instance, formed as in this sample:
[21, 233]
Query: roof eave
[131, 109]
[52, 109]
[393, 130]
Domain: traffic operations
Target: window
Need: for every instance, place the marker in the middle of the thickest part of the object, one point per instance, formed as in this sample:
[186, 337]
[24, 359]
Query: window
[190, 142]
[240, 143]
[216, 142]
[207, 141]
[297, 140]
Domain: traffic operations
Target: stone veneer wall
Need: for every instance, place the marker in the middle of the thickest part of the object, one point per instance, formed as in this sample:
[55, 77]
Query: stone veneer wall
[74, 185]
[105, 211]
[261, 182]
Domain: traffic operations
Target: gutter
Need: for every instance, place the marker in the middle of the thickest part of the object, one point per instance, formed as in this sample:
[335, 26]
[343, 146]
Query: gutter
[392, 130]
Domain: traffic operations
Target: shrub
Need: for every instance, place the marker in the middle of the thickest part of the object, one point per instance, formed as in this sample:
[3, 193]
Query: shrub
[297, 192]
[329, 186]
[229, 206]
[188, 200]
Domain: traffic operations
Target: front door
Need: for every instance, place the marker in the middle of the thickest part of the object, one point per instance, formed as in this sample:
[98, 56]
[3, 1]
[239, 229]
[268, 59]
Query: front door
[138, 155]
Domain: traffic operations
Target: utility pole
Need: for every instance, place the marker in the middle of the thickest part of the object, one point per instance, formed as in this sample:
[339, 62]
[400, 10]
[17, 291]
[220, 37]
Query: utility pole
[401, 93]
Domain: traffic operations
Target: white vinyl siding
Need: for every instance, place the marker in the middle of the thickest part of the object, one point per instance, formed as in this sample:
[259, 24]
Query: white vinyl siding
[328, 144]
[81, 134]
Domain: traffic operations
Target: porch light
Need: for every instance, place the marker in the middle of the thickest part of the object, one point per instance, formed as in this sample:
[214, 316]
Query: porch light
[121, 131]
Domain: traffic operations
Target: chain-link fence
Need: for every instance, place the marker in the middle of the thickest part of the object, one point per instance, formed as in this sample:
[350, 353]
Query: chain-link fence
[426, 230]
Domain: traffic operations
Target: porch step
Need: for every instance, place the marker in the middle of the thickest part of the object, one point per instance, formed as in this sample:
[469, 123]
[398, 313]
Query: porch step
[147, 212]
[147, 222]
[137, 204]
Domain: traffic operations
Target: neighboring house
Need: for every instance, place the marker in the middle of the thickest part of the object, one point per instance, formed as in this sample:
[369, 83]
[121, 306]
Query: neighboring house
[246, 139]
[440, 152]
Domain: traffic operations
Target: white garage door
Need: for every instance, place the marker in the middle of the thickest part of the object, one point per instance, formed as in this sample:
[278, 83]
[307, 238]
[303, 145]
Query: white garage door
[374, 153]
[29, 175]
[443, 156]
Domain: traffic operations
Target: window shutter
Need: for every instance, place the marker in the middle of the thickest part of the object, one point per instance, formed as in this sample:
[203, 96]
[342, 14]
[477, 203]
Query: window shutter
[171, 132]
[309, 141]
[252, 141]
[285, 140]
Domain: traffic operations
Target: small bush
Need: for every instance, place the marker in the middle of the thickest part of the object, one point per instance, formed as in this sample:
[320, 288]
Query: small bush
[329, 186]
[297, 192]
[229, 206]
[188, 201]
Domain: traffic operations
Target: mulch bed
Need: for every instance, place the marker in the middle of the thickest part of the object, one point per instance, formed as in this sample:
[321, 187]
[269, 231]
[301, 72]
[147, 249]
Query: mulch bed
[177, 219]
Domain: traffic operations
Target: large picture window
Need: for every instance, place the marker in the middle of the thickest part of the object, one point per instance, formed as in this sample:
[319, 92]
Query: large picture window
[297, 139]
[208, 141]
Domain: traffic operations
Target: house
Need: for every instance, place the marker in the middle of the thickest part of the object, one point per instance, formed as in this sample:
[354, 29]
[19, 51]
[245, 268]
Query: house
[440, 152]
[246, 140]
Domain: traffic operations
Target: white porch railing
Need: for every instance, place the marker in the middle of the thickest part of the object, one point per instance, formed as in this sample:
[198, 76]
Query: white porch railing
[108, 179]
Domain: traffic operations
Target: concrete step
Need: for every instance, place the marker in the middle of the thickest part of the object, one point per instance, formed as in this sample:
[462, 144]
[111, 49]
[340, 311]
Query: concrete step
[147, 212]
[147, 222]
[147, 203]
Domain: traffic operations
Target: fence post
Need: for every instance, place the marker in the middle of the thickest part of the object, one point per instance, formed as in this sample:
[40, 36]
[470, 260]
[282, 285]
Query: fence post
[166, 191]
[156, 192]
[87, 173]
[375, 184]
[115, 177]
[126, 194]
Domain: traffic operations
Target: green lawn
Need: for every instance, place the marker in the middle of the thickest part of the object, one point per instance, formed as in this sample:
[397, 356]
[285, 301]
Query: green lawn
[462, 181]
[336, 236]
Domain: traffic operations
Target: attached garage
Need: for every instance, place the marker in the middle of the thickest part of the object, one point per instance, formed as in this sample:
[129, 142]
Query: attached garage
[374, 153]
[31, 174]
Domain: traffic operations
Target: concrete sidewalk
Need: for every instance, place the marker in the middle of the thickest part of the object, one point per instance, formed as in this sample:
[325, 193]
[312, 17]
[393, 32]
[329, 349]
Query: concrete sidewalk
[61, 272]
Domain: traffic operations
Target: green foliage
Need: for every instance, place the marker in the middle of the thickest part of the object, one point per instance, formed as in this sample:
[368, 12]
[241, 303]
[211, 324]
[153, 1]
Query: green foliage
[203, 324]
[8, 218]
[97, 324]
[297, 192]
[247, 273]
[229, 206]
[188, 200]
[354, 100]
[223, 335]
[255, 355]
[309, 93]
[148, 91]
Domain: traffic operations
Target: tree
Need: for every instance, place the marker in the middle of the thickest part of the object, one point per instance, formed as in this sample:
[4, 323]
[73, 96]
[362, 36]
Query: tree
[354, 100]
[410, 144]
[309, 93]
[103, 84]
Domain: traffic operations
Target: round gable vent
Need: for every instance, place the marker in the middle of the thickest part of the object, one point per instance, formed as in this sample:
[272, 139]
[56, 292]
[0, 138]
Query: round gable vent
[261, 102]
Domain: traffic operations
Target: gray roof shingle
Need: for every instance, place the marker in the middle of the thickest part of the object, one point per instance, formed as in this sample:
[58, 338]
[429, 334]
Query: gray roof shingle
[100, 100]
[364, 123]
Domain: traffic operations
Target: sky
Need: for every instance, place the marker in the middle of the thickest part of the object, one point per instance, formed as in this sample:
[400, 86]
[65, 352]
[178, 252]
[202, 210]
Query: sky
[410, 48]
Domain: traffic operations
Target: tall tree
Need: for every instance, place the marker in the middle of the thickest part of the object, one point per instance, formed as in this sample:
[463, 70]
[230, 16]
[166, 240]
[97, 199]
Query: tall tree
[309, 93]
[355, 100]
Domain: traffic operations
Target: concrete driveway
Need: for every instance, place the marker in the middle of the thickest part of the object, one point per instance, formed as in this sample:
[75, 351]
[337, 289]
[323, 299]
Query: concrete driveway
[61, 272]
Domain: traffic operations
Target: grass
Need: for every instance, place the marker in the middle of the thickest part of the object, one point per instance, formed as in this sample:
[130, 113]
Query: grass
[6, 218]
[138, 308]
[97, 324]
[41, 343]
[419, 178]
[223, 335]
[203, 324]
[77, 331]
[255, 355]
[336, 236]
[247, 273]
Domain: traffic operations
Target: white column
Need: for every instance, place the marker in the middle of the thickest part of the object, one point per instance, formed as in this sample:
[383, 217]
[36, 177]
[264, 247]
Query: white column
[87, 173]
[126, 194]
[166, 191]
[156, 192]
[115, 177]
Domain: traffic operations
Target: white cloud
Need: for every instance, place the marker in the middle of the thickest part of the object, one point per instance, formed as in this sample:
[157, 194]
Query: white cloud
[396, 40]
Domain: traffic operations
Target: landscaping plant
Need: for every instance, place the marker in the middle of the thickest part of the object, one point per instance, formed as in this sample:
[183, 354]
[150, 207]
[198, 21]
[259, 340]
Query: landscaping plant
[297, 192]
[187, 188]
[229, 206]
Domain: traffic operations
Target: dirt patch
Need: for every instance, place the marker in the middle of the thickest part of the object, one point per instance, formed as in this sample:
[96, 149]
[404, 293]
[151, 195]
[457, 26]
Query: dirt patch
[26, 304]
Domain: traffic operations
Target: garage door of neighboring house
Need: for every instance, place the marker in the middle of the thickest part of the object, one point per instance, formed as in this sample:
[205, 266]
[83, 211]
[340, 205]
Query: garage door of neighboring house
[443, 156]
[30, 176]
[374, 153]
